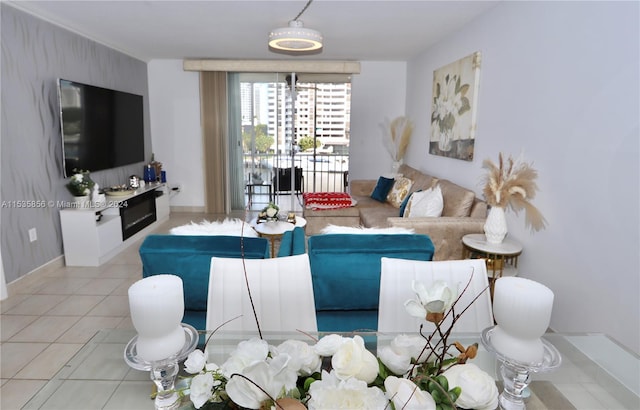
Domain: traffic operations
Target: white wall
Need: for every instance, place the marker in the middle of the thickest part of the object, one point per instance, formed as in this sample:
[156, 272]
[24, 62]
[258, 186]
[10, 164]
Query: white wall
[377, 93]
[559, 82]
[176, 132]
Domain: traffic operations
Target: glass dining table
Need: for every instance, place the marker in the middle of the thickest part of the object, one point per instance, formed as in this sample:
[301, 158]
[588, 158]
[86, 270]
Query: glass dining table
[596, 372]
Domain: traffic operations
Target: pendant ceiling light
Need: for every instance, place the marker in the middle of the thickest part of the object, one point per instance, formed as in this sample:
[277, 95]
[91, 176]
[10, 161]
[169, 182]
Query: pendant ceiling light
[295, 37]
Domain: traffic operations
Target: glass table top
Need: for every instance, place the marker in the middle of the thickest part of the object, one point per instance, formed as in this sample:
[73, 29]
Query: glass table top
[596, 372]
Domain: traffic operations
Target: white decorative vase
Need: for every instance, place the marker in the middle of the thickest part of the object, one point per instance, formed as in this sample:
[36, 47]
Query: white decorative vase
[495, 228]
[82, 201]
[395, 167]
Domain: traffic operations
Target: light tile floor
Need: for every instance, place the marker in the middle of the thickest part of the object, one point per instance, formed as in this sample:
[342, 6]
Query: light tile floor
[44, 324]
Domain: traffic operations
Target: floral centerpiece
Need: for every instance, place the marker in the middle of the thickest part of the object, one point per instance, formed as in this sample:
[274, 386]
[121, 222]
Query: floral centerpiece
[269, 213]
[510, 184]
[420, 371]
[81, 183]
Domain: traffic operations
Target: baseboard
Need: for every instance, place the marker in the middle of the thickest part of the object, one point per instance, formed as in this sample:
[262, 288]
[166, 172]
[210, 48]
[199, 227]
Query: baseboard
[35, 275]
[188, 209]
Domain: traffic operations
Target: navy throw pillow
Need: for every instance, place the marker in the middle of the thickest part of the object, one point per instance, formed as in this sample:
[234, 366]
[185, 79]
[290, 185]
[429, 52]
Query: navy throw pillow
[404, 203]
[382, 189]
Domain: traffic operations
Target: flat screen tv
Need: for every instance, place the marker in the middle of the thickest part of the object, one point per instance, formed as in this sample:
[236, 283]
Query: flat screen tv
[101, 128]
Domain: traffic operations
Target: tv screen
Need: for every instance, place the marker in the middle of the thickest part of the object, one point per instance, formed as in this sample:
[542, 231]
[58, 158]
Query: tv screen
[101, 128]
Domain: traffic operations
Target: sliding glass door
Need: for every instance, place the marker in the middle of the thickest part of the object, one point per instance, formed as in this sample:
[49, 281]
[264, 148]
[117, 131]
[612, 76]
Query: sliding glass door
[289, 134]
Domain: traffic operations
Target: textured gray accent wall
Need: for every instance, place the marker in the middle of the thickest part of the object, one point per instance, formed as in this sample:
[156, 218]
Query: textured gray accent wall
[35, 53]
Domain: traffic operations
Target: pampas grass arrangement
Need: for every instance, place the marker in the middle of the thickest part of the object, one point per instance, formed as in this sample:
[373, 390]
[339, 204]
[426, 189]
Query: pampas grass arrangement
[512, 184]
[397, 139]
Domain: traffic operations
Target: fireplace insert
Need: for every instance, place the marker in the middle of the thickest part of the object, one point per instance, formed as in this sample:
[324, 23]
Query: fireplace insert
[137, 213]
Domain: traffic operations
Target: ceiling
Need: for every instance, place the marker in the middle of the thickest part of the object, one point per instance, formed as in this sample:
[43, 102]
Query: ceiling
[353, 30]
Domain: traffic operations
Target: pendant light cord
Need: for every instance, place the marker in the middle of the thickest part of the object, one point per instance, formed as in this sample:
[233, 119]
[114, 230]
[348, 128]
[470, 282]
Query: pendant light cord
[303, 10]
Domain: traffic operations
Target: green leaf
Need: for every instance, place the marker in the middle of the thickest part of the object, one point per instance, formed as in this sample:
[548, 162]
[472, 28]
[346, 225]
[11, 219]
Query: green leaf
[383, 371]
[438, 396]
[307, 383]
[443, 382]
[455, 393]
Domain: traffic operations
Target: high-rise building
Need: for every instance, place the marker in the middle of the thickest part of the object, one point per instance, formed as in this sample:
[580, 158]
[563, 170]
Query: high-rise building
[322, 111]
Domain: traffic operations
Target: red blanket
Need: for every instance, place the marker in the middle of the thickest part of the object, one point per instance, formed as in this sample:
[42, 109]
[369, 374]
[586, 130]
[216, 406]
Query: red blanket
[327, 200]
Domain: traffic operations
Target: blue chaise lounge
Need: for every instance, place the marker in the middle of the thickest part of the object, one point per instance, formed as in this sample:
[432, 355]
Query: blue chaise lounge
[190, 258]
[346, 275]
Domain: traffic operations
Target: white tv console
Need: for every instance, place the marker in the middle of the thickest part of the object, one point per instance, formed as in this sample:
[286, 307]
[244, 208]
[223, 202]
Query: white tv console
[92, 242]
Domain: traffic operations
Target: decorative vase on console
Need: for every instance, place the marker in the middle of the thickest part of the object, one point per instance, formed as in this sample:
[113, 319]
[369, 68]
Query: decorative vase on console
[81, 186]
[512, 184]
[82, 201]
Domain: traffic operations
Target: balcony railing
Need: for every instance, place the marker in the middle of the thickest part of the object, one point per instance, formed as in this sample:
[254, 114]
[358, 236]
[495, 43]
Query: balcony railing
[322, 172]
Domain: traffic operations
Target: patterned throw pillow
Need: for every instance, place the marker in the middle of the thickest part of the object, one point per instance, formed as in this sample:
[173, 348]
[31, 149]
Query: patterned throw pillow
[425, 203]
[400, 191]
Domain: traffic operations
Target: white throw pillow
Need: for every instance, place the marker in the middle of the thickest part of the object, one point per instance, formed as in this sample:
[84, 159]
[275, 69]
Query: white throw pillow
[425, 203]
[228, 227]
[333, 229]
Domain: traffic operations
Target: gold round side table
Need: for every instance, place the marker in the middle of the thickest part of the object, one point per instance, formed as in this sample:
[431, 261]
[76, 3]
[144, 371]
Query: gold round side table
[501, 258]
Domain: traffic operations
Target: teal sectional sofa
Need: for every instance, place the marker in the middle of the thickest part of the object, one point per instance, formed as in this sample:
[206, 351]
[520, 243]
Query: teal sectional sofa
[345, 269]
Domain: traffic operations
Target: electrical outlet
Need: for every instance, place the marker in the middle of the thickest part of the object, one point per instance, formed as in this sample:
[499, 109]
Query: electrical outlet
[33, 235]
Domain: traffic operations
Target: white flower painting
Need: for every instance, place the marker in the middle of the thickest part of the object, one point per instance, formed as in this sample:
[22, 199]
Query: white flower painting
[454, 108]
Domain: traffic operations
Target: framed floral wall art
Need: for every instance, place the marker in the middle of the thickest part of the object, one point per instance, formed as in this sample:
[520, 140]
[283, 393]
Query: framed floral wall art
[454, 109]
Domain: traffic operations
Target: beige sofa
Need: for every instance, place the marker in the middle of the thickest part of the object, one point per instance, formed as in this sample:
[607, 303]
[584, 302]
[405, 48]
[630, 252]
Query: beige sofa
[463, 213]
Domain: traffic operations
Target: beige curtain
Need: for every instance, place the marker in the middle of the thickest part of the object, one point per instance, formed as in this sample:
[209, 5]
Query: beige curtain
[213, 93]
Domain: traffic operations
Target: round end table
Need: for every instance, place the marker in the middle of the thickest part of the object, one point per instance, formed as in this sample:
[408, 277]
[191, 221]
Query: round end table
[273, 230]
[501, 258]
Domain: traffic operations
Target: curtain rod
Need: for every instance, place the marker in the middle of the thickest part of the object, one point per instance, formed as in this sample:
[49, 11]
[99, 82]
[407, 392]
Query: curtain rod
[272, 66]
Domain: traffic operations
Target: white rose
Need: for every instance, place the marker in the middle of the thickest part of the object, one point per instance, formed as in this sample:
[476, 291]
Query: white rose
[304, 360]
[201, 386]
[412, 346]
[210, 367]
[353, 360]
[479, 390]
[271, 212]
[331, 393]
[398, 363]
[406, 395]
[400, 352]
[328, 345]
[195, 362]
[247, 353]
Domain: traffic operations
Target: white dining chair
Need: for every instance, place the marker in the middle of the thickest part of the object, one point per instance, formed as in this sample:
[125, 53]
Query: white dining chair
[280, 287]
[395, 288]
